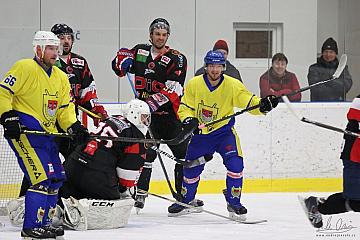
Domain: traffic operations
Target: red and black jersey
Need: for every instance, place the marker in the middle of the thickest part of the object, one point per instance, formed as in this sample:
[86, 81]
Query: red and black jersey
[166, 74]
[106, 155]
[81, 80]
[351, 150]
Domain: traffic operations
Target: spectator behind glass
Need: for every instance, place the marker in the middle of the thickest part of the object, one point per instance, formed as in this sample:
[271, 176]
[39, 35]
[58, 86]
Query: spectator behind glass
[230, 69]
[278, 81]
[323, 69]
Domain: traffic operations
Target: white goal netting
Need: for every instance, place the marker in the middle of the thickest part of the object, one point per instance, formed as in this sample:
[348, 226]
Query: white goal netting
[10, 174]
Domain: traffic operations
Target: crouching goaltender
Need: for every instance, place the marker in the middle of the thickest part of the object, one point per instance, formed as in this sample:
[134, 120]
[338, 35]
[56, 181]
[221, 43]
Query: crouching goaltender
[100, 174]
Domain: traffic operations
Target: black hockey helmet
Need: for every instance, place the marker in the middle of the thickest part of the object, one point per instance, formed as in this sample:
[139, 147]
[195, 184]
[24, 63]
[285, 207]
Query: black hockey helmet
[159, 23]
[62, 29]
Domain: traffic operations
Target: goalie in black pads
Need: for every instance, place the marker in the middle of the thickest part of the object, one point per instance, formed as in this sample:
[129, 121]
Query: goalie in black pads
[99, 172]
[159, 79]
[349, 199]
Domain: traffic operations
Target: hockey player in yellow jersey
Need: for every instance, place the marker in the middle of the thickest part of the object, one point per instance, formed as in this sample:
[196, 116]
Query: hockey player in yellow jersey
[207, 98]
[35, 95]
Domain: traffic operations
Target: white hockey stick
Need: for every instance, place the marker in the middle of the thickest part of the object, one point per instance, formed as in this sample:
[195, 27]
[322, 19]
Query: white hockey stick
[319, 124]
[203, 210]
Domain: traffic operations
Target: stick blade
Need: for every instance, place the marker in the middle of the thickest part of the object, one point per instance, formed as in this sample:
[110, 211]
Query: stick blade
[341, 66]
[288, 104]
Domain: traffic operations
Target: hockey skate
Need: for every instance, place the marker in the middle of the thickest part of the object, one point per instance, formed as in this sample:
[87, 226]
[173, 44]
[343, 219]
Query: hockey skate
[37, 233]
[178, 210]
[140, 201]
[236, 212]
[310, 206]
[59, 231]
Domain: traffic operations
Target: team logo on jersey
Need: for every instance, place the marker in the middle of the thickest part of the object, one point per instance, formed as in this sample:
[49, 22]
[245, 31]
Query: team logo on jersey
[69, 70]
[151, 65]
[40, 214]
[207, 113]
[77, 61]
[165, 59]
[50, 106]
[236, 192]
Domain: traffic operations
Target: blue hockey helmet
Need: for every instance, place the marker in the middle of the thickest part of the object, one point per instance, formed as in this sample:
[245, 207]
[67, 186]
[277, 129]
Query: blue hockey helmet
[214, 57]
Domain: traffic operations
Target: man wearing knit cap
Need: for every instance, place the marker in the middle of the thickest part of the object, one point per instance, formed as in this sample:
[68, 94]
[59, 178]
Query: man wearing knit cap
[323, 69]
[230, 69]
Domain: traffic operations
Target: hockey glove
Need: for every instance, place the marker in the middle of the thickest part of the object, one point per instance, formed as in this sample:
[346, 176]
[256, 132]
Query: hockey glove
[11, 123]
[268, 103]
[101, 112]
[81, 134]
[125, 58]
[191, 123]
[156, 100]
[352, 126]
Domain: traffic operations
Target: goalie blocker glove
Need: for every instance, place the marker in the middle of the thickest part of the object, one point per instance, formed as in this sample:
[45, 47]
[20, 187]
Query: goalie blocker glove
[268, 103]
[11, 123]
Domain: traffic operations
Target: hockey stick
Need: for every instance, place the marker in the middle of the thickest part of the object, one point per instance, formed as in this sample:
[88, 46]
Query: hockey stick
[173, 193]
[132, 85]
[203, 210]
[188, 164]
[339, 70]
[91, 114]
[175, 141]
[319, 124]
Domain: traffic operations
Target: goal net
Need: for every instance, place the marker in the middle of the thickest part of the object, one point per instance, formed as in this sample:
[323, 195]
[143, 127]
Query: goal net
[10, 174]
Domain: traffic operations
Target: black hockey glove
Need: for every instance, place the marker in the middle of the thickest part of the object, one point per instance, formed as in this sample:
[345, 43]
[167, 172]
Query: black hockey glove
[11, 123]
[191, 123]
[81, 133]
[268, 103]
[352, 126]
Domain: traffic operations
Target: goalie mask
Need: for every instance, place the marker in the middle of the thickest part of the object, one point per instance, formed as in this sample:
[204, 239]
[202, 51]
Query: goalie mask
[138, 113]
[43, 39]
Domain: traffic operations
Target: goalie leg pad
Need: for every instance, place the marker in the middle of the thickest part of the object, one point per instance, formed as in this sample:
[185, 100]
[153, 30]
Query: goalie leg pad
[75, 214]
[16, 211]
[108, 214]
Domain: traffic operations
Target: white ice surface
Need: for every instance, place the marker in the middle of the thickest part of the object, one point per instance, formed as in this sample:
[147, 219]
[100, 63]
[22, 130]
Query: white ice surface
[286, 221]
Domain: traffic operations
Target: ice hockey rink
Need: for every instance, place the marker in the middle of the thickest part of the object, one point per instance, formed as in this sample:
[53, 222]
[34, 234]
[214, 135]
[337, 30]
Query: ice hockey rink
[286, 221]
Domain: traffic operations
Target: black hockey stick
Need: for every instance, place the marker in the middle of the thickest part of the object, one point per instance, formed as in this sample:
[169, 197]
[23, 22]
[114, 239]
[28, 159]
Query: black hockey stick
[173, 193]
[319, 124]
[175, 141]
[188, 164]
[203, 210]
[339, 70]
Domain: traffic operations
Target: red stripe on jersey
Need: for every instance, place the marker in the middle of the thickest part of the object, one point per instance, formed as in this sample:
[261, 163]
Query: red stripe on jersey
[127, 182]
[174, 99]
[354, 111]
[135, 148]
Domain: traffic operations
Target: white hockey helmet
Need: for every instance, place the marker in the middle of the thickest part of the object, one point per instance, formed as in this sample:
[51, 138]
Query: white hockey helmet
[138, 113]
[45, 38]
